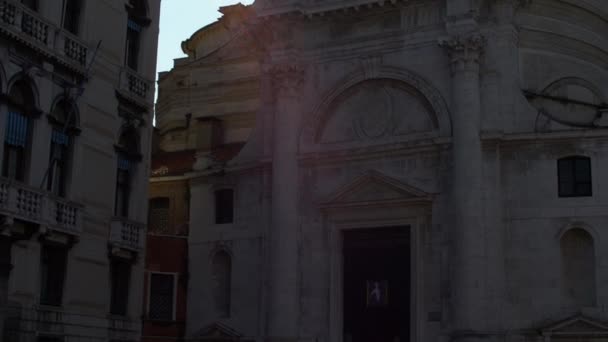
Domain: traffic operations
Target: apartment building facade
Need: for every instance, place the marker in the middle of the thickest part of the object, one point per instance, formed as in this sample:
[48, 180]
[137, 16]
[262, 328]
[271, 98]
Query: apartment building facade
[76, 79]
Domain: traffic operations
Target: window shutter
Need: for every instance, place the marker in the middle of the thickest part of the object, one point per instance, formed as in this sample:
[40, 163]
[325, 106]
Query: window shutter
[16, 129]
[124, 163]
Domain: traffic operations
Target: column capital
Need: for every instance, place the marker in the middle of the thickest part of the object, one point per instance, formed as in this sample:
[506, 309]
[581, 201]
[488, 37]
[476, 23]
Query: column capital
[287, 77]
[464, 51]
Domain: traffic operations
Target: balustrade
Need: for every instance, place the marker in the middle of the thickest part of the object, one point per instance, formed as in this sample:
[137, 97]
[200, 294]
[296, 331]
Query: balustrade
[134, 84]
[18, 21]
[127, 234]
[38, 206]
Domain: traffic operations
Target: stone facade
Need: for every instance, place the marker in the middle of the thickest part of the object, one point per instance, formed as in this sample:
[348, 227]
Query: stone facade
[456, 120]
[76, 79]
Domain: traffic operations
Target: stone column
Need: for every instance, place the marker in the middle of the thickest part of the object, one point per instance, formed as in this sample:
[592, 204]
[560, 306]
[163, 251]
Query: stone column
[468, 276]
[283, 296]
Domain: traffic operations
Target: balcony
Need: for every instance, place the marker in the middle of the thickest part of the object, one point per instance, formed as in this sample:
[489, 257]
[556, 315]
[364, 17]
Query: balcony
[31, 29]
[127, 234]
[28, 204]
[136, 88]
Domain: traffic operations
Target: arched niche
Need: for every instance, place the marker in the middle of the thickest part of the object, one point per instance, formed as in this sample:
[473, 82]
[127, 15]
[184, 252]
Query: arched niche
[577, 249]
[392, 105]
[221, 274]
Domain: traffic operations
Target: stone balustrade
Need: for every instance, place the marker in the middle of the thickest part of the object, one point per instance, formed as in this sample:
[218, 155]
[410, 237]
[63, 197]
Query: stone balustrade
[135, 85]
[38, 206]
[57, 321]
[127, 234]
[20, 23]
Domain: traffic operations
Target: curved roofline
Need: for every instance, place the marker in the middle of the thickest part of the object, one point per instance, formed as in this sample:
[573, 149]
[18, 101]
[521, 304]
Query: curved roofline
[199, 34]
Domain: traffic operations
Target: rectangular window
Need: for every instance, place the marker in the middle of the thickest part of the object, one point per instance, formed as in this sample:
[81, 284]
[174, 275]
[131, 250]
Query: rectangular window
[161, 296]
[132, 44]
[224, 206]
[52, 274]
[49, 339]
[120, 276]
[123, 187]
[71, 15]
[574, 177]
[158, 216]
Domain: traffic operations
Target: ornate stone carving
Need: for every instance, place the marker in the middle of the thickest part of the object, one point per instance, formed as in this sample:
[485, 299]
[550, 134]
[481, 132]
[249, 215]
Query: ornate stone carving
[464, 51]
[287, 78]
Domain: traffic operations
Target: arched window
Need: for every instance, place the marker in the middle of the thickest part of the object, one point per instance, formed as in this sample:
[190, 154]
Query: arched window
[574, 175]
[18, 126]
[63, 119]
[221, 277]
[158, 215]
[128, 156]
[135, 23]
[578, 268]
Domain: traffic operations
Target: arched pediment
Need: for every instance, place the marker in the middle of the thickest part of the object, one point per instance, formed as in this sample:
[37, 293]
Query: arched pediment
[390, 105]
[375, 188]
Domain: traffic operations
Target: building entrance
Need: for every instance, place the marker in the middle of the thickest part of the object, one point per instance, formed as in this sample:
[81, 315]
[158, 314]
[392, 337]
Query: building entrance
[376, 285]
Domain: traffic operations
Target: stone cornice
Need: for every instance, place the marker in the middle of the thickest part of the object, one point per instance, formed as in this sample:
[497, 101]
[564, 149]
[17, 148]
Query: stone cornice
[464, 51]
[315, 8]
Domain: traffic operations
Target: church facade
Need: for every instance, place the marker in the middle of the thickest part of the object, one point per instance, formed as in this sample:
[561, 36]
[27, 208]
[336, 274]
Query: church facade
[395, 170]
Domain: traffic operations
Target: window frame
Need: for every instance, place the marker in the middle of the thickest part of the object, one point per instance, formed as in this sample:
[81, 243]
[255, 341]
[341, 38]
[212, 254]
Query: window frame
[573, 175]
[76, 21]
[22, 104]
[225, 311]
[175, 277]
[217, 208]
[44, 276]
[127, 158]
[63, 136]
[127, 292]
[167, 230]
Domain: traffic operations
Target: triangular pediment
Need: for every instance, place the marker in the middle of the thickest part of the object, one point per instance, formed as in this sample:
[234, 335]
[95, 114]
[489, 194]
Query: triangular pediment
[375, 187]
[217, 331]
[577, 325]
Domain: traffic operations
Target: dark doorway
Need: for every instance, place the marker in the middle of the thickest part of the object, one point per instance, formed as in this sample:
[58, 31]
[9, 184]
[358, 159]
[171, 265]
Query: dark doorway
[377, 285]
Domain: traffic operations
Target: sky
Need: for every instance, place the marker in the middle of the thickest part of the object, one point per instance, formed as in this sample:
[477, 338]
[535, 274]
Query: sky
[179, 19]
